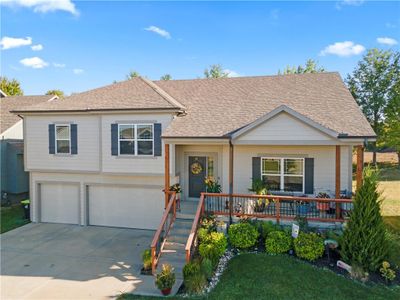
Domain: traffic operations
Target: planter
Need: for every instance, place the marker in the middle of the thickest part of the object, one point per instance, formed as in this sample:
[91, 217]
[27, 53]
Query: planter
[27, 207]
[166, 292]
[303, 209]
[323, 206]
[143, 271]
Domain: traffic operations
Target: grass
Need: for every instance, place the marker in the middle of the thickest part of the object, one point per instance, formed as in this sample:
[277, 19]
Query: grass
[12, 217]
[261, 276]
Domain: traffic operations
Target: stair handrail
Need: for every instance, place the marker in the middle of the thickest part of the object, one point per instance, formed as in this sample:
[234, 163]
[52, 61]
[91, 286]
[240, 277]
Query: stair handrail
[158, 241]
[191, 241]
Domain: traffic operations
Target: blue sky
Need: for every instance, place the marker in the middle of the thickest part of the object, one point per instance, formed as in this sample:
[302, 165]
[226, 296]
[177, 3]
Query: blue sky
[79, 45]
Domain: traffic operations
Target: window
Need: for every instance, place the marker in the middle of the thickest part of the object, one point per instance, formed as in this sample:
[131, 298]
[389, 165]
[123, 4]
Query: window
[63, 139]
[283, 174]
[135, 139]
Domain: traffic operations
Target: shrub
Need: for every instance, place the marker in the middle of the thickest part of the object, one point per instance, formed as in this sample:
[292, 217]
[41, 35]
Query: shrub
[242, 235]
[203, 235]
[146, 258]
[209, 222]
[207, 268]
[387, 272]
[309, 246]
[165, 279]
[278, 242]
[364, 241]
[193, 277]
[214, 247]
[265, 228]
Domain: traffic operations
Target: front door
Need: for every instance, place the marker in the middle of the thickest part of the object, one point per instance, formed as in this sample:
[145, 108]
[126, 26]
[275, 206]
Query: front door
[197, 174]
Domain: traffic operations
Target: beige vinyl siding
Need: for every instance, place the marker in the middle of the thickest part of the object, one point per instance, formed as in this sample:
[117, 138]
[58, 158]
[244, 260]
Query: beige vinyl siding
[14, 132]
[81, 181]
[37, 144]
[132, 164]
[284, 127]
[324, 164]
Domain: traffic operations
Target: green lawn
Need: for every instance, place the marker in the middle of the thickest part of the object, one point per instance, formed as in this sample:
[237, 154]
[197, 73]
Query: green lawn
[261, 276]
[12, 217]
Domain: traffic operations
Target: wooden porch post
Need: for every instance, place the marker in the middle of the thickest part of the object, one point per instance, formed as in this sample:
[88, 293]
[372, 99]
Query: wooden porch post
[230, 181]
[337, 180]
[166, 174]
[360, 165]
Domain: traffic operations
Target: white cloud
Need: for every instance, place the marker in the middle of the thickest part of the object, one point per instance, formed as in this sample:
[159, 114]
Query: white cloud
[231, 73]
[44, 6]
[34, 62]
[340, 4]
[346, 48]
[78, 71]
[9, 42]
[386, 41]
[57, 65]
[37, 47]
[159, 31]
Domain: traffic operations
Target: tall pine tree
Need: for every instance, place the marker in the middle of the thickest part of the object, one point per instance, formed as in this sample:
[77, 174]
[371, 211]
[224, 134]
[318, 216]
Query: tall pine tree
[364, 241]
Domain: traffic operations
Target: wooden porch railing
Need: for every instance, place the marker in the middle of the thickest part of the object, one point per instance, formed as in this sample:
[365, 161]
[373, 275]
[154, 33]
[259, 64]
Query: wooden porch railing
[192, 240]
[268, 206]
[167, 220]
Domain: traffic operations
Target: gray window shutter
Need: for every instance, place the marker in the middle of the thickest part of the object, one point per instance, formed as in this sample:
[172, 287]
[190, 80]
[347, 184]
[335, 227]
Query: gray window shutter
[74, 139]
[256, 168]
[52, 139]
[157, 139]
[309, 176]
[114, 139]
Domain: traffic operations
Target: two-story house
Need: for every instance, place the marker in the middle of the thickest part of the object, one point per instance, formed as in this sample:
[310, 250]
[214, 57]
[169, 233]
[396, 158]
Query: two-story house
[103, 157]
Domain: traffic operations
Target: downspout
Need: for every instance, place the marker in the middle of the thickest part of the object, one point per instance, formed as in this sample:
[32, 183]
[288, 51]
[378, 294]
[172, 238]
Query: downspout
[230, 180]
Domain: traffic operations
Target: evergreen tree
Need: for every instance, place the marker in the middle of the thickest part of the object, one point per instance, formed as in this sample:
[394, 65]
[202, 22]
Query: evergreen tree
[364, 239]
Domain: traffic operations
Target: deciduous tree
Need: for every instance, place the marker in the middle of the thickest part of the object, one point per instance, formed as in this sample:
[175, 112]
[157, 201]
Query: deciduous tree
[58, 93]
[215, 71]
[11, 87]
[311, 66]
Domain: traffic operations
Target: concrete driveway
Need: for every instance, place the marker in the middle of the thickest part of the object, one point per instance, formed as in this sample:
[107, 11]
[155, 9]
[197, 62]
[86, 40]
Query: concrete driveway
[56, 261]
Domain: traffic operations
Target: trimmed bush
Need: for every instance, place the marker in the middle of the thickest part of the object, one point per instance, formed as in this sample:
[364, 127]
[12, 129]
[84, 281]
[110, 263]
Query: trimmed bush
[364, 242]
[309, 246]
[203, 235]
[242, 235]
[265, 228]
[207, 268]
[278, 242]
[214, 246]
[193, 277]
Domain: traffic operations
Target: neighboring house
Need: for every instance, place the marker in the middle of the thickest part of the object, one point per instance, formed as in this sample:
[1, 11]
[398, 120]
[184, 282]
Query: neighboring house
[14, 181]
[103, 157]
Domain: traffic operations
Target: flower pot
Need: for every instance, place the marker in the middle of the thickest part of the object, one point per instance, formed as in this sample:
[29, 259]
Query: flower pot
[166, 292]
[302, 209]
[323, 206]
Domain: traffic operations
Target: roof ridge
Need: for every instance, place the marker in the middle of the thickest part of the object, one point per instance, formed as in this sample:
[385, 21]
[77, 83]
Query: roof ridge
[163, 93]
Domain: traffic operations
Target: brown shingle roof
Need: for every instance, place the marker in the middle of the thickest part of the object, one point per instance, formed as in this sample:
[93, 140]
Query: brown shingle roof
[9, 103]
[136, 93]
[217, 107]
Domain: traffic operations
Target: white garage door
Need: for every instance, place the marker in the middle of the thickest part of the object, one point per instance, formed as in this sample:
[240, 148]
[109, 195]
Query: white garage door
[132, 207]
[59, 203]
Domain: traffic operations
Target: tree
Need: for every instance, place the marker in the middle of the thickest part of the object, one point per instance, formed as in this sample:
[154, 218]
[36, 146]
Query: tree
[311, 66]
[391, 130]
[11, 87]
[215, 71]
[166, 77]
[364, 242]
[132, 74]
[58, 93]
[371, 83]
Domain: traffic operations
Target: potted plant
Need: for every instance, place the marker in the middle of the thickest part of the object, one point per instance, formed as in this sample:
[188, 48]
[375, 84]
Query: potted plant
[323, 206]
[147, 264]
[26, 205]
[178, 190]
[212, 185]
[166, 279]
[303, 207]
[259, 188]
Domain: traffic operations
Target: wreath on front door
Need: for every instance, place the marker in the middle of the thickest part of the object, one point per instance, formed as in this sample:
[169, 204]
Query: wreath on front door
[196, 168]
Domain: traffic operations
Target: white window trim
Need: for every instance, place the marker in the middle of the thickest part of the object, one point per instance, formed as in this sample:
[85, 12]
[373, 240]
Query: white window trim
[57, 139]
[136, 139]
[282, 174]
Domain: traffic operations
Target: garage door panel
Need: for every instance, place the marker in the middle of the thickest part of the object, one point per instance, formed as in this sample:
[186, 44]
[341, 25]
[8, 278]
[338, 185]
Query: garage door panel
[131, 207]
[59, 203]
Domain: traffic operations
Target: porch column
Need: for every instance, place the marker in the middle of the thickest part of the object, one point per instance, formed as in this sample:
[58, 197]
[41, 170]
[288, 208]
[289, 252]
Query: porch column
[360, 166]
[337, 180]
[230, 181]
[166, 174]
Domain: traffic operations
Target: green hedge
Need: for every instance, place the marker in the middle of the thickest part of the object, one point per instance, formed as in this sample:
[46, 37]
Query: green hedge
[242, 235]
[278, 242]
[309, 246]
